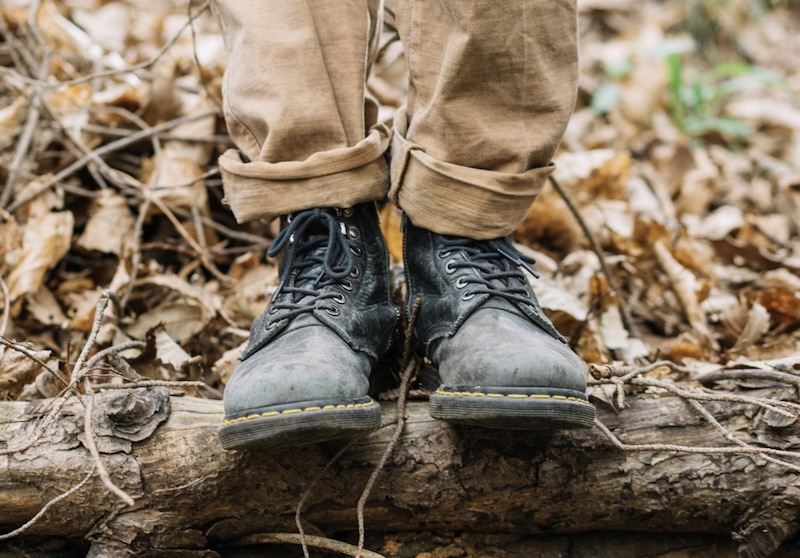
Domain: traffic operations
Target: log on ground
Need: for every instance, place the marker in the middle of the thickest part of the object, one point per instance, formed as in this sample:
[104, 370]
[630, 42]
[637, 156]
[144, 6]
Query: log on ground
[189, 493]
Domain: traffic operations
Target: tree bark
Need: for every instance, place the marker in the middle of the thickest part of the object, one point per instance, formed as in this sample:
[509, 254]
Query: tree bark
[191, 494]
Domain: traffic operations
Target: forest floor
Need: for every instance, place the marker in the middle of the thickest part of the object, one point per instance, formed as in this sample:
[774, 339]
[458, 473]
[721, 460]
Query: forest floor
[667, 247]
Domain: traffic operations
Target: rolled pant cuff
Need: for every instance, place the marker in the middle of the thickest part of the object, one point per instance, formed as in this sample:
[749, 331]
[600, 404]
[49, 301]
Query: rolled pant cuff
[457, 200]
[337, 178]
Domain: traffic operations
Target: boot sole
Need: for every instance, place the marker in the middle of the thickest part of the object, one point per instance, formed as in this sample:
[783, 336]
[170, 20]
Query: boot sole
[513, 408]
[300, 423]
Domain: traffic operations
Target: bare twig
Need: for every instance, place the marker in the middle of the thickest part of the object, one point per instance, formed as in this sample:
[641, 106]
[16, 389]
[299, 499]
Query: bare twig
[318, 542]
[749, 374]
[202, 78]
[691, 449]
[89, 442]
[79, 373]
[6, 307]
[136, 253]
[410, 367]
[127, 69]
[777, 406]
[730, 437]
[47, 506]
[301, 504]
[32, 355]
[33, 115]
[107, 148]
[625, 314]
[203, 254]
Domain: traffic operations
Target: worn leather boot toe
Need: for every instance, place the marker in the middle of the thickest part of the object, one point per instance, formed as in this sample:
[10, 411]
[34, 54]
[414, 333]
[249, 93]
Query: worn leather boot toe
[502, 362]
[304, 375]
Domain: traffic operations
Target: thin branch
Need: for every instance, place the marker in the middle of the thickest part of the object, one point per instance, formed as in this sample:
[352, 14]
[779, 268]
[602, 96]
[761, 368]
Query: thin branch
[32, 356]
[203, 81]
[625, 314]
[128, 69]
[706, 395]
[203, 254]
[47, 506]
[301, 504]
[6, 307]
[107, 148]
[136, 253]
[749, 374]
[730, 437]
[79, 373]
[411, 365]
[691, 449]
[89, 442]
[311, 540]
[32, 121]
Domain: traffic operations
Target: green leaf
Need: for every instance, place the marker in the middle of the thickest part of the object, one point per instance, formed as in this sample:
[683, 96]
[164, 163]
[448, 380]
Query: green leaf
[605, 98]
[617, 69]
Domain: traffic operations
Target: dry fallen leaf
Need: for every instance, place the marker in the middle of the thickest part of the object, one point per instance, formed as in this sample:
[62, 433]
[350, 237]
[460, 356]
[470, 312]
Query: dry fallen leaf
[686, 286]
[45, 241]
[110, 225]
[18, 369]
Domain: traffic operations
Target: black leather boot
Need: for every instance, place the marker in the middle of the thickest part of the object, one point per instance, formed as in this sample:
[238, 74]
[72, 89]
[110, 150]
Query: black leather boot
[304, 375]
[502, 362]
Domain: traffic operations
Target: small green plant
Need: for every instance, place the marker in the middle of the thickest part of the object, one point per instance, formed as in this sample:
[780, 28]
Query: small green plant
[696, 103]
[607, 96]
[695, 97]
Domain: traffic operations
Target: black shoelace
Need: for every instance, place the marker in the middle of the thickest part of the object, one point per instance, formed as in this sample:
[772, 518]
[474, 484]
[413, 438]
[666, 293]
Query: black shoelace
[318, 255]
[495, 277]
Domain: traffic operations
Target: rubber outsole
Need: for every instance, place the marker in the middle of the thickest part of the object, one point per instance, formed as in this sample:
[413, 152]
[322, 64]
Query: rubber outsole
[513, 408]
[301, 423]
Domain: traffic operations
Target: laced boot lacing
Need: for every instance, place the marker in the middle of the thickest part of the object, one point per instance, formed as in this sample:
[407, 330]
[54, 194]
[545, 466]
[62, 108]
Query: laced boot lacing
[506, 366]
[319, 256]
[487, 257]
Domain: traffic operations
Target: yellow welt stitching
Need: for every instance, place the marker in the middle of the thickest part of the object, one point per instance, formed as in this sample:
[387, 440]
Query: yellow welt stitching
[267, 414]
[511, 395]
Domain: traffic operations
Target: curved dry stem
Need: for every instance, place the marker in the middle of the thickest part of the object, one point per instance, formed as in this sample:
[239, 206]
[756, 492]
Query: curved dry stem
[311, 540]
[20, 530]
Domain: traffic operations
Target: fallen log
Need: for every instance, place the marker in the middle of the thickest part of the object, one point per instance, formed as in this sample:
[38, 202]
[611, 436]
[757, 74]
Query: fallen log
[190, 494]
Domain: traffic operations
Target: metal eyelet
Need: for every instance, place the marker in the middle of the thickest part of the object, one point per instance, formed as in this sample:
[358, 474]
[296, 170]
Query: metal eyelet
[332, 310]
[347, 285]
[467, 296]
[270, 324]
[347, 212]
[356, 273]
[353, 232]
[443, 253]
[448, 267]
[339, 297]
[461, 283]
[357, 251]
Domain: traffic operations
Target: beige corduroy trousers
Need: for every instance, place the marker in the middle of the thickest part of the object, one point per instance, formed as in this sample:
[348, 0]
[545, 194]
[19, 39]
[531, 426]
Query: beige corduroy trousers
[491, 88]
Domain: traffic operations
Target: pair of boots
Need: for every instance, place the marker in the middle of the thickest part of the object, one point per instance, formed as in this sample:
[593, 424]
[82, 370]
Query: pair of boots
[304, 375]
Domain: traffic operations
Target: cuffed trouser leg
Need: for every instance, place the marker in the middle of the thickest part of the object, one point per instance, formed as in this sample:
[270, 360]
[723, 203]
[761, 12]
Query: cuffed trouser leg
[296, 106]
[492, 87]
